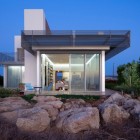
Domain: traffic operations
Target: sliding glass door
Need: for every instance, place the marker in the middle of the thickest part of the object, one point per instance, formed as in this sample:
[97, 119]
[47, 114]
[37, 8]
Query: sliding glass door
[77, 72]
[92, 72]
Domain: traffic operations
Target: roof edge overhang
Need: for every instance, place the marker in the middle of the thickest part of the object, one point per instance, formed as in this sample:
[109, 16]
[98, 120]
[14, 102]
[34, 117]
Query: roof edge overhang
[80, 48]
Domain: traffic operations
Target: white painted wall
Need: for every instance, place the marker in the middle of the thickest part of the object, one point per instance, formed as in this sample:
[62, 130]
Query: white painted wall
[34, 19]
[17, 42]
[30, 69]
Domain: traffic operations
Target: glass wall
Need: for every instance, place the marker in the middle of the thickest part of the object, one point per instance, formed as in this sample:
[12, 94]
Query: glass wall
[92, 72]
[77, 72]
[14, 77]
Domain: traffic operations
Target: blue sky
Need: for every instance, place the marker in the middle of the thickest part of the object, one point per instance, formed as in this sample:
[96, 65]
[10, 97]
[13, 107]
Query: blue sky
[76, 15]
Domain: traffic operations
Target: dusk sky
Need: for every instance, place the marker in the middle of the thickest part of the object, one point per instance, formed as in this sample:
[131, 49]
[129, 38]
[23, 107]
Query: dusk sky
[76, 15]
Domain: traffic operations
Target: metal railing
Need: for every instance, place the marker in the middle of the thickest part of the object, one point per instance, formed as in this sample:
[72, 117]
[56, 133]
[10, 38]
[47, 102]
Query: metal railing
[75, 32]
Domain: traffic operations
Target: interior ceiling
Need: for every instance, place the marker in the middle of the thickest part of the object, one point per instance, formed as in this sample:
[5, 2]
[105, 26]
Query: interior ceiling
[64, 58]
[59, 58]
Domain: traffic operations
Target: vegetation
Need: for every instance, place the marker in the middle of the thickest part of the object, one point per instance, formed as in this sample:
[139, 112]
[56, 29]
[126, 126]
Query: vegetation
[29, 98]
[84, 97]
[128, 78]
[6, 92]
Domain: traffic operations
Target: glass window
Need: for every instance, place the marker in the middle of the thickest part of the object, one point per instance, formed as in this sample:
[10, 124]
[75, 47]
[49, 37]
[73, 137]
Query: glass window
[14, 76]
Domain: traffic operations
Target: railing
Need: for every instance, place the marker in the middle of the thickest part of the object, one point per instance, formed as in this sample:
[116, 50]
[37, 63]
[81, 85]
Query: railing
[75, 32]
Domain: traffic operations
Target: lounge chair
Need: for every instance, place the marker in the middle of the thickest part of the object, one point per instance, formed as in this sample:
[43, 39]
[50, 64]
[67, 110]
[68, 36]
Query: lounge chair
[29, 87]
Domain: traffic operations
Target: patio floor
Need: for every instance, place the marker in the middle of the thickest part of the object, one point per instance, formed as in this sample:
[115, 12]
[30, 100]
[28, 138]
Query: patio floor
[107, 93]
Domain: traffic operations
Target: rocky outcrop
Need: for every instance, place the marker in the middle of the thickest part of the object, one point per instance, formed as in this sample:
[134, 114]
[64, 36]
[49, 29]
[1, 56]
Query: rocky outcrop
[52, 111]
[112, 113]
[136, 112]
[45, 98]
[33, 120]
[13, 103]
[73, 116]
[115, 98]
[78, 119]
[74, 103]
[129, 104]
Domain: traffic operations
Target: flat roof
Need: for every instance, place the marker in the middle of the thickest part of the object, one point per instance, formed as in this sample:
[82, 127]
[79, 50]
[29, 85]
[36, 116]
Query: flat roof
[117, 40]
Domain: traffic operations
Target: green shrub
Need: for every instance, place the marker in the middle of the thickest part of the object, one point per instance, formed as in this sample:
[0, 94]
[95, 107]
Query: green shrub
[84, 97]
[7, 92]
[110, 85]
[29, 97]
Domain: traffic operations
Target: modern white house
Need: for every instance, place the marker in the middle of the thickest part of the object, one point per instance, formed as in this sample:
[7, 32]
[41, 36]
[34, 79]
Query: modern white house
[45, 57]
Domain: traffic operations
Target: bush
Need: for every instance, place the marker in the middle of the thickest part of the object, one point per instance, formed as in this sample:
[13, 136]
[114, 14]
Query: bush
[84, 97]
[6, 92]
[28, 97]
[110, 85]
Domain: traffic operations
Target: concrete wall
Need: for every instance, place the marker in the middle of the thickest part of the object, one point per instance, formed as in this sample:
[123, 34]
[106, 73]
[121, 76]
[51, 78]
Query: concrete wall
[33, 20]
[17, 42]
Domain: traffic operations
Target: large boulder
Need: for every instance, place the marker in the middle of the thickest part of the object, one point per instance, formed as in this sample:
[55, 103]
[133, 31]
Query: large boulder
[115, 98]
[112, 113]
[55, 104]
[76, 120]
[52, 111]
[13, 103]
[136, 112]
[74, 103]
[48, 100]
[45, 98]
[129, 104]
[33, 120]
[10, 116]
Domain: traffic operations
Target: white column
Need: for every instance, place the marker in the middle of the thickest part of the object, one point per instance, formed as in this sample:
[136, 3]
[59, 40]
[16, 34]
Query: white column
[102, 72]
[5, 76]
[38, 69]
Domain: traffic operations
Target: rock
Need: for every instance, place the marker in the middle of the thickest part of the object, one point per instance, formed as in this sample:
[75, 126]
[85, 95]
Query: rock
[10, 116]
[33, 120]
[53, 112]
[74, 103]
[139, 98]
[129, 104]
[49, 100]
[112, 113]
[136, 112]
[78, 119]
[1, 99]
[13, 103]
[55, 104]
[115, 98]
[128, 96]
[45, 98]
